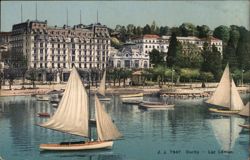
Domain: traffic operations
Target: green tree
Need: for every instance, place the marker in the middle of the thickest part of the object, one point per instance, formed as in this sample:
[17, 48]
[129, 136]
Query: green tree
[190, 56]
[147, 29]
[31, 75]
[211, 61]
[156, 57]
[163, 30]
[222, 32]
[203, 31]
[188, 74]
[243, 49]
[229, 55]
[187, 29]
[173, 50]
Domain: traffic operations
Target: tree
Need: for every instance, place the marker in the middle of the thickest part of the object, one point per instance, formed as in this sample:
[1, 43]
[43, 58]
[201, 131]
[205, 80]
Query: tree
[10, 74]
[243, 49]
[203, 31]
[147, 29]
[222, 32]
[125, 73]
[187, 29]
[163, 30]
[31, 75]
[173, 50]
[190, 57]
[115, 43]
[229, 55]
[211, 61]
[189, 74]
[206, 76]
[156, 57]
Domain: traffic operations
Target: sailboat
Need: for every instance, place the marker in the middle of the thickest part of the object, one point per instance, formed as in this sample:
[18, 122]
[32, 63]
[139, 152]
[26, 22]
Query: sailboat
[226, 96]
[102, 88]
[245, 112]
[73, 117]
[226, 131]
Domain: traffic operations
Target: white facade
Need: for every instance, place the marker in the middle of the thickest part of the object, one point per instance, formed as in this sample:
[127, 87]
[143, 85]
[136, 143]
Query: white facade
[149, 42]
[61, 47]
[130, 56]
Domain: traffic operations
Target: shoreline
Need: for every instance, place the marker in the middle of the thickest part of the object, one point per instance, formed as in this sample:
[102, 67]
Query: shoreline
[178, 90]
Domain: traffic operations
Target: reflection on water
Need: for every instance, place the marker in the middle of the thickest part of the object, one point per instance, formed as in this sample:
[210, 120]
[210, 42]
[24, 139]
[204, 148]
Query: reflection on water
[167, 134]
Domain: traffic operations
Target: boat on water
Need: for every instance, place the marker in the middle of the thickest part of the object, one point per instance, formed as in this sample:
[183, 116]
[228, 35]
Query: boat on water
[226, 98]
[246, 126]
[136, 96]
[136, 102]
[155, 105]
[73, 117]
[226, 130]
[42, 97]
[43, 114]
[102, 89]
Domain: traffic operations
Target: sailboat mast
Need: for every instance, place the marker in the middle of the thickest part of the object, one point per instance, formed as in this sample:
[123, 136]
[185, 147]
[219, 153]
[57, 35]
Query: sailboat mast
[89, 111]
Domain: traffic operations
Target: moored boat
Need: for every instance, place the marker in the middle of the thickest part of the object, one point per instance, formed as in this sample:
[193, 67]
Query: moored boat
[155, 105]
[131, 95]
[246, 126]
[43, 114]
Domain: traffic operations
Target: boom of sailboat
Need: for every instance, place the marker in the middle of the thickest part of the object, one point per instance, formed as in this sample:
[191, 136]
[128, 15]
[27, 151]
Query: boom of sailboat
[73, 117]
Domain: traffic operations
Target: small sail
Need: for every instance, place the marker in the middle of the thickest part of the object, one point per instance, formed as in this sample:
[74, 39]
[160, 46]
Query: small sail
[226, 131]
[246, 110]
[236, 101]
[72, 113]
[221, 96]
[106, 129]
[101, 88]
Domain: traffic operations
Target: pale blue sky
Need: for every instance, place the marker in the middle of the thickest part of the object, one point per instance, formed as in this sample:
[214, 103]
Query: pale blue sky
[170, 13]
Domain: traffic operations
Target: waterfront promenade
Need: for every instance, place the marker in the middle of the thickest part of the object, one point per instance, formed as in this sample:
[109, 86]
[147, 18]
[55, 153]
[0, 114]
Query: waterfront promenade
[180, 89]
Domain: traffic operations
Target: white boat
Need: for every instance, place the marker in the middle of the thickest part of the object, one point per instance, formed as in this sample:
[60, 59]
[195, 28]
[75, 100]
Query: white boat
[102, 89]
[42, 97]
[226, 130]
[226, 97]
[131, 95]
[73, 117]
[155, 105]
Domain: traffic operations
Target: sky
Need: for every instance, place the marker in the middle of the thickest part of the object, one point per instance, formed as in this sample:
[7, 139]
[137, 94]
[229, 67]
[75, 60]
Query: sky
[111, 13]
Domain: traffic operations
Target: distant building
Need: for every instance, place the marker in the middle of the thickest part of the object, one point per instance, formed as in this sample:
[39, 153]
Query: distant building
[149, 42]
[129, 56]
[59, 48]
[4, 46]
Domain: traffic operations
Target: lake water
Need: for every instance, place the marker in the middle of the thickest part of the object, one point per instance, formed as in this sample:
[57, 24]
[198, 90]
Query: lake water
[189, 132]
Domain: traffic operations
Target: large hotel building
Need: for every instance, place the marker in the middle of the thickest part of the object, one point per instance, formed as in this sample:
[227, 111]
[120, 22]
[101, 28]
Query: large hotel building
[61, 47]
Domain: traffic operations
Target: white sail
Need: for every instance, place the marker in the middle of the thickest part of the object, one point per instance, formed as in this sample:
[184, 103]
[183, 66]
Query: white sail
[236, 101]
[72, 113]
[101, 88]
[226, 131]
[106, 129]
[246, 110]
[221, 96]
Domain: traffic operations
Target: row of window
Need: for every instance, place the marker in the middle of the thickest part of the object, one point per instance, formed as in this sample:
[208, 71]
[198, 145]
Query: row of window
[128, 63]
[63, 65]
